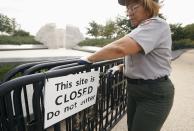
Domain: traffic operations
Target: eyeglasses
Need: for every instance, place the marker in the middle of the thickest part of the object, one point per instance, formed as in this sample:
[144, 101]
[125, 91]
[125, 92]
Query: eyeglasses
[131, 9]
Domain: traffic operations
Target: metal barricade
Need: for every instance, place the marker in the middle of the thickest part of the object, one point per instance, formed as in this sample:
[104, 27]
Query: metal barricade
[17, 115]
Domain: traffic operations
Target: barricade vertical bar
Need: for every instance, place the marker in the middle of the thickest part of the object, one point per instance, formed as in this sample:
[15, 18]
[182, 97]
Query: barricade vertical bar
[121, 100]
[3, 121]
[69, 124]
[91, 118]
[112, 101]
[102, 82]
[119, 97]
[95, 123]
[84, 121]
[76, 121]
[18, 109]
[108, 90]
[26, 103]
[38, 116]
[88, 119]
[9, 112]
[116, 99]
[57, 127]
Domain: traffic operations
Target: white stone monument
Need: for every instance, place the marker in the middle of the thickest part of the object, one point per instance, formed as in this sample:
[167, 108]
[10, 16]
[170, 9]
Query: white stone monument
[53, 37]
[72, 36]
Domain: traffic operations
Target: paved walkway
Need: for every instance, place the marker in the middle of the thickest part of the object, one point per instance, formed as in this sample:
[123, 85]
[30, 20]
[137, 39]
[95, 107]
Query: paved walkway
[181, 117]
[24, 54]
[7, 47]
[12, 56]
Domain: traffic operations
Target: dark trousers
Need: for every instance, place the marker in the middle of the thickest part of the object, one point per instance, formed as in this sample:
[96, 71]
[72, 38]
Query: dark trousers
[149, 104]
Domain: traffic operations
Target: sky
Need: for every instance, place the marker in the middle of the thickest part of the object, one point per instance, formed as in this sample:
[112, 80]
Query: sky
[33, 14]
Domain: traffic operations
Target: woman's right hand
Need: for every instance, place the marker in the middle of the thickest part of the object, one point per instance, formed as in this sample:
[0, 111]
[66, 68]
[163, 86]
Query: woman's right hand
[114, 69]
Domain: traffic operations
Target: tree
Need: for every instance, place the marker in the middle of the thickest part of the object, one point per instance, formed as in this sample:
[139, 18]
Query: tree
[123, 26]
[94, 29]
[189, 31]
[15, 25]
[7, 24]
[118, 28]
[109, 29]
[177, 31]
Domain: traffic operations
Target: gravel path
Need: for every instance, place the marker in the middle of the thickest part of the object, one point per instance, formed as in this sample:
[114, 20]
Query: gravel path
[181, 117]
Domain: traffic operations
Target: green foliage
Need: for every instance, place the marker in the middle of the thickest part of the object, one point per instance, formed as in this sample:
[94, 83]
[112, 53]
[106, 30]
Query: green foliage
[21, 33]
[109, 29]
[182, 44]
[123, 26]
[96, 42]
[162, 16]
[18, 40]
[113, 29]
[10, 26]
[94, 29]
[4, 69]
[182, 37]
[7, 24]
[177, 31]
[189, 31]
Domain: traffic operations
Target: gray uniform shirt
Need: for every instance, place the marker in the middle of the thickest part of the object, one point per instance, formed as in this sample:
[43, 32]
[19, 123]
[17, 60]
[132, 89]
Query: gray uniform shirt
[154, 36]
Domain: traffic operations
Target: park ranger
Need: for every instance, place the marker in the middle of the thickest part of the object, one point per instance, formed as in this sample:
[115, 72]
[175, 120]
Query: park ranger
[147, 53]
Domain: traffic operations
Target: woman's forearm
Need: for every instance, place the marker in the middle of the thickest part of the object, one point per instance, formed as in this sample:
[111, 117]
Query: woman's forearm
[116, 49]
[106, 53]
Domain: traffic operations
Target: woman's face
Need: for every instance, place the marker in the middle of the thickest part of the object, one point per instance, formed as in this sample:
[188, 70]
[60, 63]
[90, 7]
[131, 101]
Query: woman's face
[137, 13]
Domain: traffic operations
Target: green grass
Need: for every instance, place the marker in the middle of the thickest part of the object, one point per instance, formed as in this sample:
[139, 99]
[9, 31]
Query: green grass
[18, 40]
[5, 68]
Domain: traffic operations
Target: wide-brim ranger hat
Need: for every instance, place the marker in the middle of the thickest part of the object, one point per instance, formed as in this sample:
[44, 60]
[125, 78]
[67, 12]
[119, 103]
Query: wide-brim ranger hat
[123, 2]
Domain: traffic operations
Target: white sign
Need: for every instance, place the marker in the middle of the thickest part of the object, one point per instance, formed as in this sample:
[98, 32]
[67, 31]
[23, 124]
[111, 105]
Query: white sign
[67, 95]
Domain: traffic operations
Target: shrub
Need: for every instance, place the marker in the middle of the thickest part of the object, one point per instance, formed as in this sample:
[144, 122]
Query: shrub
[96, 42]
[18, 40]
[182, 44]
[21, 33]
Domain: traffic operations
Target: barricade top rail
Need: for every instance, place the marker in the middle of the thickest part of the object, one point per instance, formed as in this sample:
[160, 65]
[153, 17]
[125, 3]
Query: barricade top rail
[64, 66]
[23, 67]
[18, 69]
[47, 65]
[8, 86]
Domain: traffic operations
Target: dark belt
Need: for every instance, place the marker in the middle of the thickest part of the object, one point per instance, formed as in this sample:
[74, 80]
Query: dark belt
[142, 81]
